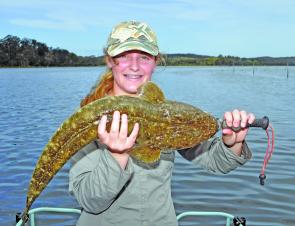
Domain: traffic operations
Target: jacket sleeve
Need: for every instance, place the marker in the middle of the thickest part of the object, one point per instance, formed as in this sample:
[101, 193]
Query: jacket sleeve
[215, 157]
[96, 178]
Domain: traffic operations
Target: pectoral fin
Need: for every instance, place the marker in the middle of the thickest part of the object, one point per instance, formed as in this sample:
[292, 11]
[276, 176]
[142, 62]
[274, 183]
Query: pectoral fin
[151, 93]
[146, 154]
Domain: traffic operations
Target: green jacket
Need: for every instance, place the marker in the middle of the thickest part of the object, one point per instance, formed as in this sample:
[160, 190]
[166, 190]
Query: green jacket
[138, 195]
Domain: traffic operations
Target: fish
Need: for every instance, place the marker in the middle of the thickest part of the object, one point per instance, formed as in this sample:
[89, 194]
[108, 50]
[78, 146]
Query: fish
[164, 125]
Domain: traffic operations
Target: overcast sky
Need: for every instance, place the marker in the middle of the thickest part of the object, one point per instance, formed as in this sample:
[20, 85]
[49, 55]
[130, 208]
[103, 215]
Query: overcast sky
[244, 28]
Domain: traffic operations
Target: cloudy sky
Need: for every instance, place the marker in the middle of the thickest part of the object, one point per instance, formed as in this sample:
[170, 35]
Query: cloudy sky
[244, 28]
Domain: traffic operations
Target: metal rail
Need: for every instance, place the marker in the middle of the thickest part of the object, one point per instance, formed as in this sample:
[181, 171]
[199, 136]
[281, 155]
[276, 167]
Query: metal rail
[32, 212]
[229, 217]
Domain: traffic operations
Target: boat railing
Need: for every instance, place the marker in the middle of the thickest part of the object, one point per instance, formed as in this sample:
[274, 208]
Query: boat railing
[32, 213]
[228, 217]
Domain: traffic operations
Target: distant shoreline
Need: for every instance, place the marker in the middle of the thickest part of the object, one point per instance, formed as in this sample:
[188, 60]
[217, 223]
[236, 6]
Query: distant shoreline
[249, 66]
[16, 52]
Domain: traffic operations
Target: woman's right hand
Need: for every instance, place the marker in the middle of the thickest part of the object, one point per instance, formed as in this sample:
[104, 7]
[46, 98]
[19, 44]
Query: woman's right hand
[117, 139]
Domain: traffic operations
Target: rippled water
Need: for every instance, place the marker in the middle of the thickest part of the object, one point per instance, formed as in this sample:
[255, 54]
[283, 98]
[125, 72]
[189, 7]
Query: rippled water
[35, 101]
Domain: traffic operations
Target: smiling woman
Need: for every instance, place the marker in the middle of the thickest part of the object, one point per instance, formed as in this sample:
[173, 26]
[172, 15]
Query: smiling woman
[131, 55]
[112, 187]
[131, 69]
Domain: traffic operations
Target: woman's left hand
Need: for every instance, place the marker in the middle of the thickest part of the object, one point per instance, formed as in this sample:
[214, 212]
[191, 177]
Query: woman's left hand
[236, 118]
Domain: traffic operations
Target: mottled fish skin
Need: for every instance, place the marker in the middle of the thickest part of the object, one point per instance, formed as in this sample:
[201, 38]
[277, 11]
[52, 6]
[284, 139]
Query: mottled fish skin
[164, 125]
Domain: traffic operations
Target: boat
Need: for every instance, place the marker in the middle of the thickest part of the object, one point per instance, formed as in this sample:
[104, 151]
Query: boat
[229, 219]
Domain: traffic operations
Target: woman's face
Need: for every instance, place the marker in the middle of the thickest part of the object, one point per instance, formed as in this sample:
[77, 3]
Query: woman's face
[131, 69]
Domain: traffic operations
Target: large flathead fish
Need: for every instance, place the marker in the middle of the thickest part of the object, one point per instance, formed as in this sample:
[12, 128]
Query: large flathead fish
[164, 125]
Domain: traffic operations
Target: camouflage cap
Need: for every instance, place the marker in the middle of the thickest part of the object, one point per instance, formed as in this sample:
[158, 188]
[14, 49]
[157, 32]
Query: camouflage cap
[132, 35]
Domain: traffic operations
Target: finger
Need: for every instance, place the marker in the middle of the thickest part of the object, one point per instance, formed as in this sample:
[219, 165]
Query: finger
[236, 118]
[228, 118]
[251, 118]
[244, 118]
[124, 127]
[227, 131]
[133, 135]
[102, 128]
[115, 125]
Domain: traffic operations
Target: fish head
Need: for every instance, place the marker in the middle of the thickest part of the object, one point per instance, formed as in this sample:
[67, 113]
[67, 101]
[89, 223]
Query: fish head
[187, 125]
[168, 125]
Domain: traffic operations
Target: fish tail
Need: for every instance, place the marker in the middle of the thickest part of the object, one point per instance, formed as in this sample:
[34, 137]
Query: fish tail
[25, 216]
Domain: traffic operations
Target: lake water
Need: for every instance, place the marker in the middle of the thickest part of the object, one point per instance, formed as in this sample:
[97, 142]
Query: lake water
[35, 101]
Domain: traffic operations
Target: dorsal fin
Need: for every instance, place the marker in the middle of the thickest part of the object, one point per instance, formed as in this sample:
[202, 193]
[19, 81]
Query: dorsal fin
[151, 92]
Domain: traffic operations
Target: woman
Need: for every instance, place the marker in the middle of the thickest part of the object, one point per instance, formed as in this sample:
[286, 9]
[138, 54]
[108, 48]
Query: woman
[113, 189]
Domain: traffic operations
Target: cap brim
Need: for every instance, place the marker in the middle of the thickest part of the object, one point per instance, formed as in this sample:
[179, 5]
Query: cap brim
[133, 45]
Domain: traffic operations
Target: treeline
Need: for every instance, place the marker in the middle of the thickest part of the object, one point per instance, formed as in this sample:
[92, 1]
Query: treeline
[201, 60]
[193, 59]
[31, 53]
[16, 52]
